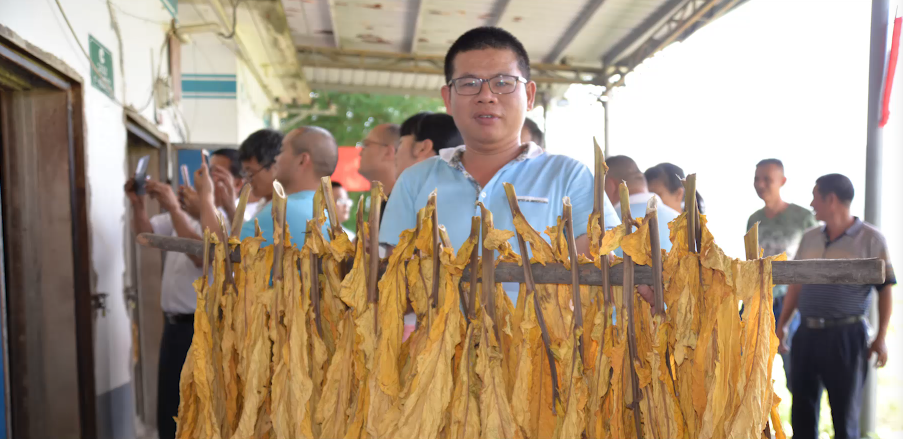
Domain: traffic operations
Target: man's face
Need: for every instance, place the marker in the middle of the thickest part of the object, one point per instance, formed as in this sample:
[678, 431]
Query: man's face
[487, 118]
[822, 205]
[223, 162]
[376, 152]
[342, 203]
[288, 162]
[260, 178]
[768, 181]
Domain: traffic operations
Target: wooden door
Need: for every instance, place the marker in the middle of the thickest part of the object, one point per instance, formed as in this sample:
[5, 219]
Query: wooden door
[144, 269]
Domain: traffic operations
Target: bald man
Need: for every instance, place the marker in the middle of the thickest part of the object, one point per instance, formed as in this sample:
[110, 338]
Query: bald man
[378, 155]
[623, 168]
[307, 154]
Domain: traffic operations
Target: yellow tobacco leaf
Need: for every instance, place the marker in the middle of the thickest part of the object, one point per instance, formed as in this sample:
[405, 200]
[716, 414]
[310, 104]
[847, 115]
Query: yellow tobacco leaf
[186, 421]
[208, 425]
[465, 410]
[354, 286]
[572, 423]
[637, 246]
[331, 412]
[496, 419]
[429, 392]
[540, 250]
[612, 239]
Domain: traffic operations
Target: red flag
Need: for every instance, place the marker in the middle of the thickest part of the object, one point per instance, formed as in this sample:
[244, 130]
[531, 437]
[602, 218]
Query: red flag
[891, 67]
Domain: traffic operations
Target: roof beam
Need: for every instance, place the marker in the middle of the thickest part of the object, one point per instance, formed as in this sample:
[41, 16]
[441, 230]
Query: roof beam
[326, 57]
[691, 16]
[580, 21]
[330, 7]
[415, 31]
[347, 88]
[498, 10]
[651, 23]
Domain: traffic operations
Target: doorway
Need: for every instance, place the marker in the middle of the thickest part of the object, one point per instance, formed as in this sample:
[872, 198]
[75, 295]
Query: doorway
[144, 270]
[47, 313]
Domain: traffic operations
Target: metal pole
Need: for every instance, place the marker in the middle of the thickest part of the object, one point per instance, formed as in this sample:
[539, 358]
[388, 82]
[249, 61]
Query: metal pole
[605, 121]
[873, 153]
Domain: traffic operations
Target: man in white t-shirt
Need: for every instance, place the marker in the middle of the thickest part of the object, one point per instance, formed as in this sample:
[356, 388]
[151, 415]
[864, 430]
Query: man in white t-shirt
[177, 296]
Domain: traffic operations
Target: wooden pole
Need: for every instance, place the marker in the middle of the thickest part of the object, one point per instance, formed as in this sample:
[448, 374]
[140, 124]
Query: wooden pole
[869, 271]
[376, 194]
[575, 275]
[658, 303]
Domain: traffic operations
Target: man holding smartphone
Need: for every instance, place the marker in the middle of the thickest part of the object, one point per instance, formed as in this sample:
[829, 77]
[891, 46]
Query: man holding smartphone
[177, 295]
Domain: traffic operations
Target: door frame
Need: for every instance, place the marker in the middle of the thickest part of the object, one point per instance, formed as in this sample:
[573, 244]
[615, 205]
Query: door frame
[145, 385]
[39, 68]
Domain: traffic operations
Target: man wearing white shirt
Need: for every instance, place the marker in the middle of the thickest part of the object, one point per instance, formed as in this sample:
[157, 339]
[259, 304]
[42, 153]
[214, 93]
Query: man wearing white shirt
[623, 168]
[177, 296]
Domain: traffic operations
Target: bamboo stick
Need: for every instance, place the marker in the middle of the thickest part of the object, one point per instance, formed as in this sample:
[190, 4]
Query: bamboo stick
[656, 247]
[376, 194]
[239, 219]
[279, 201]
[575, 274]
[488, 272]
[434, 220]
[690, 209]
[335, 227]
[531, 288]
[599, 208]
[751, 242]
[474, 267]
[627, 220]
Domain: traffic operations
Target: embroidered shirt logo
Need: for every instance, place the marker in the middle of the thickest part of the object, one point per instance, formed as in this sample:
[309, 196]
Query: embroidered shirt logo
[526, 199]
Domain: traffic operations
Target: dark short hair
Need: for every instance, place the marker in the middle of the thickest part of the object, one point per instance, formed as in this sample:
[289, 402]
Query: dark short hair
[440, 128]
[535, 132]
[487, 38]
[775, 162]
[336, 184]
[234, 162]
[671, 175]
[836, 184]
[409, 126]
[262, 145]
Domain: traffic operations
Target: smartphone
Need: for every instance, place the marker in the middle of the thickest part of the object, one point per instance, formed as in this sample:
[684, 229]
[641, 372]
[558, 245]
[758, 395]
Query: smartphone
[141, 175]
[205, 157]
[186, 178]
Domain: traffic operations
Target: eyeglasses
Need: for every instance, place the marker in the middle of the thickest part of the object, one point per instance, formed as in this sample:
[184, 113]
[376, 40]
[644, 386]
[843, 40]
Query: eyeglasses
[248, 176]
[500, 85]
[344, 202]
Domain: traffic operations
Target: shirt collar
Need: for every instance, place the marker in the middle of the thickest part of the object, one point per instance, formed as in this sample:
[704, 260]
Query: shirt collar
[850, 231]
[450, 155]
[641, 197]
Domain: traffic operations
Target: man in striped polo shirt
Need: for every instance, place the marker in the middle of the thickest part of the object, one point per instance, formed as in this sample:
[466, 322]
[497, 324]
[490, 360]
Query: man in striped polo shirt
[831, 347]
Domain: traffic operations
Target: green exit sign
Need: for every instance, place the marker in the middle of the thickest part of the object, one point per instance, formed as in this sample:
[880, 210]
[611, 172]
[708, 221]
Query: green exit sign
[102, 70]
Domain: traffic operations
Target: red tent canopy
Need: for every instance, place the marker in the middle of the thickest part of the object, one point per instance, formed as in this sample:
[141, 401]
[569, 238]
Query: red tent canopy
[346, 170]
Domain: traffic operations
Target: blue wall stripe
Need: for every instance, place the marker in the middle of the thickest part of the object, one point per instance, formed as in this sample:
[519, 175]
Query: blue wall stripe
[210, 75]
[201, 86]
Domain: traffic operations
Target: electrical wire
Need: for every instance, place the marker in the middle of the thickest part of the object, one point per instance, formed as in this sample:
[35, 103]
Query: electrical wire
[234, 20]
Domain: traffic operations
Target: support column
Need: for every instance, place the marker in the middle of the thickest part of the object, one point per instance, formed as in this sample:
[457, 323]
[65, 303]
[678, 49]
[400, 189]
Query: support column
[873, 153]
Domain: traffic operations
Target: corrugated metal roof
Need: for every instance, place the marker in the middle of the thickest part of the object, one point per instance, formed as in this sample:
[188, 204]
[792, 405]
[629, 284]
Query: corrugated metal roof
[575, 32]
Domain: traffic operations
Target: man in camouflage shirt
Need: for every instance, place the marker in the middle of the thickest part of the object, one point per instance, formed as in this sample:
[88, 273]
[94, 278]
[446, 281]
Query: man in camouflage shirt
[781, 225]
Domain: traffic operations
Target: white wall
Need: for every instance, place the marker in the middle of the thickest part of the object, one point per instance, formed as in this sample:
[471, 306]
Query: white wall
[252, 104]
[41, 23]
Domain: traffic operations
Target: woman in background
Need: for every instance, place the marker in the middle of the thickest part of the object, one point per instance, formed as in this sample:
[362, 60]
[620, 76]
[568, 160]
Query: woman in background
[664, 179]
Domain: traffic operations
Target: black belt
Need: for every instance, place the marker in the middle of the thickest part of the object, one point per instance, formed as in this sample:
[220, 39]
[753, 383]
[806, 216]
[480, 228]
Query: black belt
[820, 323]
[175, 319]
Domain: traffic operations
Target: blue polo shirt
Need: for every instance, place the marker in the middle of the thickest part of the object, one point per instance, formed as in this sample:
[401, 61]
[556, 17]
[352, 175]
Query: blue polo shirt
[299, 209]
[665, 215]
[541, 181]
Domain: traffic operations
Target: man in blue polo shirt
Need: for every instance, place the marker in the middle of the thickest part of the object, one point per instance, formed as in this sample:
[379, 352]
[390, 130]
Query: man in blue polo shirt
[831, 348]
[488, 93]
[307, 154]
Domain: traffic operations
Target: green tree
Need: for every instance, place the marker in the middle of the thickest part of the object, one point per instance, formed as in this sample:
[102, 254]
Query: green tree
[357, 113]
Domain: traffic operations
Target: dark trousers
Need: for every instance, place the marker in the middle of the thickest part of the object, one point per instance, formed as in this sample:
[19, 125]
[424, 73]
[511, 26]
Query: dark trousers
[173, 350]
[835, 359]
